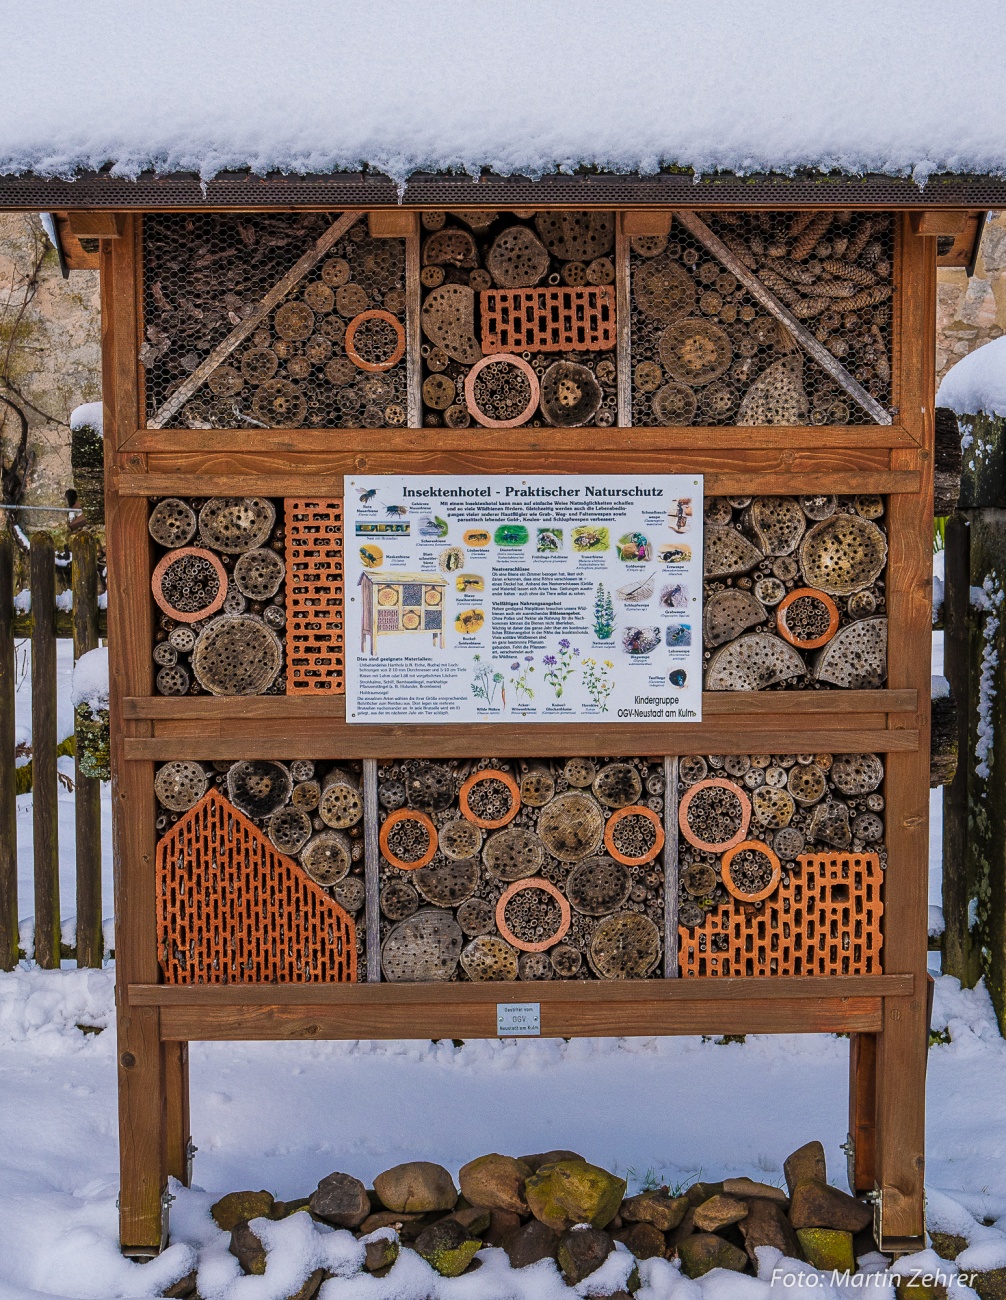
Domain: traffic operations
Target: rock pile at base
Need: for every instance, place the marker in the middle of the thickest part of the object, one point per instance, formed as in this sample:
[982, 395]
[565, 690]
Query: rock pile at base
[556, 1205]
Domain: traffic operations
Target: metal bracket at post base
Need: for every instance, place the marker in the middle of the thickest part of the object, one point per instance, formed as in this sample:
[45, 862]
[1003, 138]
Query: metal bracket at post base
[190, 1155]
[893, 1246]
[140, 1254]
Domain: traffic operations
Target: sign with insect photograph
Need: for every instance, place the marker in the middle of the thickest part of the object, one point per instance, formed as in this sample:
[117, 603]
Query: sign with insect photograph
[561, 598]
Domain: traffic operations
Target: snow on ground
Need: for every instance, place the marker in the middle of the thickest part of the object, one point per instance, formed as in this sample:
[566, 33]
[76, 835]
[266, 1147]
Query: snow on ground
[524, 86]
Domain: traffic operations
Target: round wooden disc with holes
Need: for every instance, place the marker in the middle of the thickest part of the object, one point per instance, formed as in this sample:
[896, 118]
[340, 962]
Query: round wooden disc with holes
[773, 808]
[807, 618]
[663, 290]
[425, 946]
[541, 885]
[259, 365]
[235, 524]
[448, 321]
[692, 768]
[237, 655]
[488, 957]
[674, 404]
[294, 321]
[571, 826]
[492, 808]
[417, 832]
[750, 871]
[857, 774]
[752, 663]
[449, 883]
[475, 916]
[225, 381]
[517, 259]
[438, 392]
[807, 784]
[306, 795]
[335, 272]
[580, 235]
[624, 946]
[501, 392]
[258, 787]
[451, 246]
[537, 787]
[319, 297]
[621, 836]
[714, 814]
[341, 802]
[172, 522]
[618, 784]
[179, 785]
[173, 680]
[513, 854]
[259, 574]
[280, 404]
[189, 584]
[429, 785]
[290, 830]
[580, 772]
[728, 613]
[351, 299]
[375, 340]
[460, 839]
[327, 857]
[182, 638]
[699, 879]
[565, 960]
[398, 900]
[843, 554]
[350, 893]
[695, 351]
[598, 886]
[570, 395]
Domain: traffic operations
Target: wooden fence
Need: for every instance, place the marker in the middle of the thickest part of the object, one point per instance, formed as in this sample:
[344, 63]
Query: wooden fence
[44, 625]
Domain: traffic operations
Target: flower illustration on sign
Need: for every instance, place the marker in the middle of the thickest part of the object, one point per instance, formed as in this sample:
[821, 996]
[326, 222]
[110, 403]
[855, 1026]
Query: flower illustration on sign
[599, 685]
[560, 667]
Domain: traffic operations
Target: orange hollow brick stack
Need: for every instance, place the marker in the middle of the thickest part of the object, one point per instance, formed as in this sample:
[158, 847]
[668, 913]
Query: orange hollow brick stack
[231, 910]
[825, 921]
[549, 320]
[315, 630]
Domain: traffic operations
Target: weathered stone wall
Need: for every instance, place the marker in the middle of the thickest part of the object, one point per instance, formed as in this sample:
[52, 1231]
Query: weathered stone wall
[971, 312]
[50, 355]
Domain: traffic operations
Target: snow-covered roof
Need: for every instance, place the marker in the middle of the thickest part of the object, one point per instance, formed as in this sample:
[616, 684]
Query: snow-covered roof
[977, 382]
[515, 87]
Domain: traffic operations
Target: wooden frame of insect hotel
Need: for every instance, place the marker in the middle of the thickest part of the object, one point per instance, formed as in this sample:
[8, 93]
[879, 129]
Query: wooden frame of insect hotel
[762, 870]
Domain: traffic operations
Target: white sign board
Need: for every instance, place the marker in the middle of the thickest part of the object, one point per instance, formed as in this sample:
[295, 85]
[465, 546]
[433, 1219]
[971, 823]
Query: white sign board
[508, 598]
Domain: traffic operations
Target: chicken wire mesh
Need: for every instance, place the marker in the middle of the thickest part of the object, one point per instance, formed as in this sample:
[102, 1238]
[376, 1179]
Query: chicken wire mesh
[706, 352]
[330, 353]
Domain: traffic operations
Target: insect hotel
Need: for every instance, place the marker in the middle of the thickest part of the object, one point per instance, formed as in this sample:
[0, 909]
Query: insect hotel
[284, 873]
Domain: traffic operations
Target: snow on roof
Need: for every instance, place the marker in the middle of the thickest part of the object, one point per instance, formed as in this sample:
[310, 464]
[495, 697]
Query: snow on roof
[977, 382]
[517, 86]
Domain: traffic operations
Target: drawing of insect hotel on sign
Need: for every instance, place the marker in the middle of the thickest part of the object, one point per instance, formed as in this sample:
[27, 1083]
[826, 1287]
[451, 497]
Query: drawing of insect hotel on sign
[401, 602]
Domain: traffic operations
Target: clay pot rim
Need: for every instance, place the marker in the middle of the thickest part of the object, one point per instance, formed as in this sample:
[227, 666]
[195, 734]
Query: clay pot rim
[634, 810]
[403, 815]
[164, 564]
[374, 313]
[685, 803]
[532, 882]
[825, 600]
[728, 883]
[489, 774]
[510, 358]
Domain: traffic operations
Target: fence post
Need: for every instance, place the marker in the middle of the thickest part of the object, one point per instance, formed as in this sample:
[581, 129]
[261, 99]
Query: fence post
[87, 789]
[45, 821]
[8, 787]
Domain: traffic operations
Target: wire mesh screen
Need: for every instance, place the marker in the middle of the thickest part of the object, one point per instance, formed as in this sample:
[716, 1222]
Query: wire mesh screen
[330, 352]
[706, 351]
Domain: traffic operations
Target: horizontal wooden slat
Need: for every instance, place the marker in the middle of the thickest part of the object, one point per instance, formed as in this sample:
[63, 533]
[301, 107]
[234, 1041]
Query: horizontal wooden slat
[852, 1004]
[326, 479]
[367, 441]
[715, 704]
[616, 992]
[329, 741]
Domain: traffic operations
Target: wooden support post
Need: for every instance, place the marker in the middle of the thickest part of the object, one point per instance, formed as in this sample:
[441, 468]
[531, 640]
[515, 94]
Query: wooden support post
[143, 1087]
[862, 1152]
[45, 822]
[372, 865]
[87, 789]
[177, 1140]
[8, 787]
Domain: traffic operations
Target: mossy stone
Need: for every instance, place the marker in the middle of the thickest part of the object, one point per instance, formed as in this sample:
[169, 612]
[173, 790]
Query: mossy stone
[236, 1207]
[703, 1251]
[827, 1249]
[572, 1191]
[447, 1246]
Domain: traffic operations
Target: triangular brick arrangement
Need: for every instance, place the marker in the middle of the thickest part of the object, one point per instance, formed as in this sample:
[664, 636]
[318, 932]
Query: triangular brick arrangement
[232, 910]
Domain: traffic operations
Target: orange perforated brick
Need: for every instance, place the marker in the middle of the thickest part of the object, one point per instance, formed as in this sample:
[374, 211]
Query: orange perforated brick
[561, 319]
[315, 613]
[231, 910]
[825, 921]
